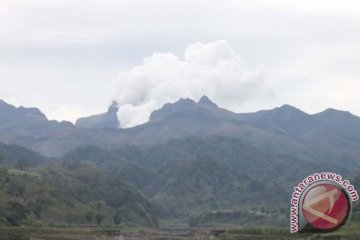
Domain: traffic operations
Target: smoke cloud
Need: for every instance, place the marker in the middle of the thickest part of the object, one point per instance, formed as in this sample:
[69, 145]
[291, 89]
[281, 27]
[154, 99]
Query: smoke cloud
[211, 69]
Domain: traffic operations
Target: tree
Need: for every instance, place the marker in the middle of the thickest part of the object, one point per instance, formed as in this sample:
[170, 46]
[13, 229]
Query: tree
[89, 216]
[16, 212]
[99, 218]
[15, 188]
[117, 218]
[194, 221]
[21, 164]
[2, 159]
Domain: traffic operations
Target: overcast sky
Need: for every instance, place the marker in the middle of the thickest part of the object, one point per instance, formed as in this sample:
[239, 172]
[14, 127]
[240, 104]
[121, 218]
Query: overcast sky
[71, 58]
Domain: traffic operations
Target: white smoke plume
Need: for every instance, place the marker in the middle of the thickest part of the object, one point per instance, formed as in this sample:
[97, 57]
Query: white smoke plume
[211, 69]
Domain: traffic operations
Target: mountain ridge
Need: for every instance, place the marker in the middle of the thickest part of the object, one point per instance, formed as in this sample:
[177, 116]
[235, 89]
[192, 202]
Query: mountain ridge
[313, 136]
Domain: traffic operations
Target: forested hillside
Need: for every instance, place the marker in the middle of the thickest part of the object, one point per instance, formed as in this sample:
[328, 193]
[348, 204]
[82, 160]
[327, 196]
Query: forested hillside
[59, 195]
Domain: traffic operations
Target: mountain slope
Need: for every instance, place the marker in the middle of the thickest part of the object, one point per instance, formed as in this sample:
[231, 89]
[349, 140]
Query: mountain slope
[188, 175]
[57, 195]
[122, 161]
[11, 155]
[106, 120]
[203, 183]
[338, 128]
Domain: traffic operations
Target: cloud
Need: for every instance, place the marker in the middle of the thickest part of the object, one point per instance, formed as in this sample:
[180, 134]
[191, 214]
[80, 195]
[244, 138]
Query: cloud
[211, 69]
[50, 49]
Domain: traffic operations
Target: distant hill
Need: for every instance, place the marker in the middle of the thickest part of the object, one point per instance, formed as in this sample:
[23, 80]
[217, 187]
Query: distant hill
[189, 175]
[333, 131]
[56, 195]
[204, 184]
[30, 128]
[286, 119]
[125, 162]
[35, 190]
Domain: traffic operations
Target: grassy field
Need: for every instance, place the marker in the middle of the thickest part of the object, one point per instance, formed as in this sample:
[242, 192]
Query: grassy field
[22, 233]
[348, 232]
[12, 233]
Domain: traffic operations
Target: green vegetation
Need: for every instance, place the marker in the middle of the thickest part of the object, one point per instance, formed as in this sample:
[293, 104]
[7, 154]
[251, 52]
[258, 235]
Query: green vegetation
[18, 172]
[355, 215]
[249, 233]
[56, 195]
[19, 156]
[233, 218]
[193, 182]
[83, 233]
[192, 176]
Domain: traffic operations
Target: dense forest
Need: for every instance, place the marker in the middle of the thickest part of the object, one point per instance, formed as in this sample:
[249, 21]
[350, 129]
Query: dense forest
[37, 192]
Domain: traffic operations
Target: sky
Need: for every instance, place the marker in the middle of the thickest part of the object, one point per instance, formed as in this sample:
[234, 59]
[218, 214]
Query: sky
[71, 58]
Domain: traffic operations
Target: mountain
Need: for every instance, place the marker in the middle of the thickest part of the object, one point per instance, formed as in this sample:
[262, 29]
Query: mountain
[182, 105]
[331, 136]
[342, 128]
[108, 120]
[186, 118]
[30, 128]
[189, 158]
[206, 101]
[286, 119]
[331, 128]
[170, 108]
[27, 122]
